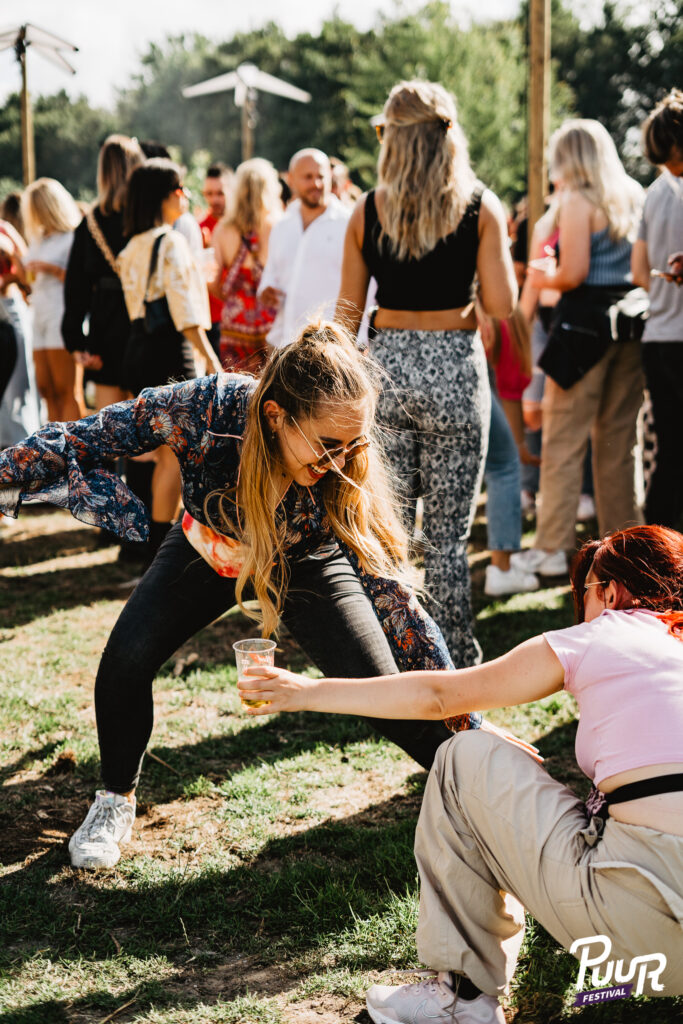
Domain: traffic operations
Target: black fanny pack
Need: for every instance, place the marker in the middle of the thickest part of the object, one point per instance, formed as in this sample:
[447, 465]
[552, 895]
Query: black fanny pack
[585, 322]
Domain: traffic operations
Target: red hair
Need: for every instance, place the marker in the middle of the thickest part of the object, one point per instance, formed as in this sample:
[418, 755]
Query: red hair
[645, 562]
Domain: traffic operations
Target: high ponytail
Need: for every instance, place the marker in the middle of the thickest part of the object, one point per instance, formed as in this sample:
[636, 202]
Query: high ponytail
[322, 368]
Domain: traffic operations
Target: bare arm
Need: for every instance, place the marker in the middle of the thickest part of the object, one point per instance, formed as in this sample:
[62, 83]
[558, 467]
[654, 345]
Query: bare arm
[40, 267]
[575, 246]
[226, 243]
[497, 282]
[355, 274]
[640, 264]
[200, 342]
[528, 672]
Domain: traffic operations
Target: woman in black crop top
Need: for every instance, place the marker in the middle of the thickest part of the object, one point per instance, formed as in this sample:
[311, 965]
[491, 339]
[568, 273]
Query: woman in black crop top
[424, 234]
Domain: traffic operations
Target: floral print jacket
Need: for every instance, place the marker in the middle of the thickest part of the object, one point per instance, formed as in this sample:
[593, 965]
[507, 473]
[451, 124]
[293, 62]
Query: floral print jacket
[202, 420]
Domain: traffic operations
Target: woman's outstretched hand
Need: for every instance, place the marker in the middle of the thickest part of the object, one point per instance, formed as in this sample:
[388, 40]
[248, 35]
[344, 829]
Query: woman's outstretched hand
[283, 690]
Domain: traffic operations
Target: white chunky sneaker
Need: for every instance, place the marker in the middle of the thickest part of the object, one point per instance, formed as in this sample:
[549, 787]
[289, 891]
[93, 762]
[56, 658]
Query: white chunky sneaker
[545, 563]
[108, 822]
[430, 1002]
[511, 581]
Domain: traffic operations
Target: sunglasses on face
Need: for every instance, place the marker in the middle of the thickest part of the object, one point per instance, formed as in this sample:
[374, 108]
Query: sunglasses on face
[330, 455]
[597, 583]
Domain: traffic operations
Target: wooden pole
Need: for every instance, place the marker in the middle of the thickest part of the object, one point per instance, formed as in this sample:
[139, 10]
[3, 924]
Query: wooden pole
[248, 125]
[28, 158]
[539, 107]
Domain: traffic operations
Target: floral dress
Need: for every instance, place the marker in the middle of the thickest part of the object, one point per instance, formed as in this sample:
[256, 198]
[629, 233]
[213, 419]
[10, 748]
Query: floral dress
[203, 422]
[245, 320]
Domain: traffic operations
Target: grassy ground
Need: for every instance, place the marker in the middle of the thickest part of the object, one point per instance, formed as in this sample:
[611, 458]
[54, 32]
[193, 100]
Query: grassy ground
[270, 878]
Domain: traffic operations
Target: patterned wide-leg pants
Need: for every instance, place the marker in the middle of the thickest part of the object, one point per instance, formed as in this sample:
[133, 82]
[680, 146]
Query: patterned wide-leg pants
[434, 412]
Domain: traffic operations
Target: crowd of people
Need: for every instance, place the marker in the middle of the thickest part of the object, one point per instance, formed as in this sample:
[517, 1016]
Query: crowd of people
[277, 387]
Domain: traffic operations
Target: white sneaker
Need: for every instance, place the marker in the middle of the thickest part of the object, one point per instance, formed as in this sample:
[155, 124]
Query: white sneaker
[108, 822]
[527, 500]
[512, 581]
[545, 563]
[428, 1002]
[586, 508]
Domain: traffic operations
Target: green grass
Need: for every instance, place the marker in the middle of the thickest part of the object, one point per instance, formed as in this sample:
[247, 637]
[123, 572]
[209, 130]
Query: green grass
[271, 877]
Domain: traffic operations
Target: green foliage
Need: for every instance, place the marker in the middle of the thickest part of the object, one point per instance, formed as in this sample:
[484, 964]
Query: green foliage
[349, 73]
[618, 68]
[68, 135]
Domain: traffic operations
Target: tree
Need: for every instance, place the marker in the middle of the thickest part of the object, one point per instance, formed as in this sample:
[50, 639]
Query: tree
[349, 74]
[618, 68]
[68, 134]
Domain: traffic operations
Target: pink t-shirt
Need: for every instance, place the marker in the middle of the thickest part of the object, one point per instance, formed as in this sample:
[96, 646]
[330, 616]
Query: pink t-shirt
[626, 671]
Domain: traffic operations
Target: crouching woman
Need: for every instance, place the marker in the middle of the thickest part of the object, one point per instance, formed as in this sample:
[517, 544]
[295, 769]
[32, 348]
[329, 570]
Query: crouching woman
[497, 834]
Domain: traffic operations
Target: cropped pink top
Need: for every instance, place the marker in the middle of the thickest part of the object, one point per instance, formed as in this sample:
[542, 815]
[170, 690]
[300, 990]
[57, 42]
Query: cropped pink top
[626, 671]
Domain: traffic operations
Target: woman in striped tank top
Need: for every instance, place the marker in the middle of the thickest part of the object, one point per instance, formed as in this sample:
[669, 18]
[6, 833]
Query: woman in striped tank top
[598, 217]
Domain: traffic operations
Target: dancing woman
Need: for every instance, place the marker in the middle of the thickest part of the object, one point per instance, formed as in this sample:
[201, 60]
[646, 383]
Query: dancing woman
[287, 501]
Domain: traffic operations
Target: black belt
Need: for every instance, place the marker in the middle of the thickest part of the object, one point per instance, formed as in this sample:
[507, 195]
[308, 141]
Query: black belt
[645, 787]
[109, 284]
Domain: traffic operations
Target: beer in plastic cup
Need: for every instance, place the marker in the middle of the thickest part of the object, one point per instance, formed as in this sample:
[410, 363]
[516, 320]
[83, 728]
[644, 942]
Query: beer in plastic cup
[253, 652]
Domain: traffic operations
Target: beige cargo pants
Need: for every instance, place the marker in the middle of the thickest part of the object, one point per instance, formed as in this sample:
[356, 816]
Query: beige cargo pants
[497, 834]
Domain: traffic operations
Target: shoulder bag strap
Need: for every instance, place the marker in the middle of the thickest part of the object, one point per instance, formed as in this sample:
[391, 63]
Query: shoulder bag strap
[99, 240]
[153, 260]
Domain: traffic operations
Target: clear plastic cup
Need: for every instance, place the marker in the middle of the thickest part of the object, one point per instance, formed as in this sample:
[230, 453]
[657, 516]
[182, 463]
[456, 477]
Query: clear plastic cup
[548, 264]
[209, 265]
[253, 652]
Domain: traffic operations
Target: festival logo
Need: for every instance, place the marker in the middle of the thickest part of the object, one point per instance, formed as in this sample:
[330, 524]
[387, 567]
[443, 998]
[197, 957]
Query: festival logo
[595, 951]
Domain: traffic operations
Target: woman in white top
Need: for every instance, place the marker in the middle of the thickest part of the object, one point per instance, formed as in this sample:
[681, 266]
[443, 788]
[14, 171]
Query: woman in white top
[156, 264]
[50, 216]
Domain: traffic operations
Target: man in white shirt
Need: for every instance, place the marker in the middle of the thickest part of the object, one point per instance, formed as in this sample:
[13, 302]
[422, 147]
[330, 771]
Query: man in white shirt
[303, 270]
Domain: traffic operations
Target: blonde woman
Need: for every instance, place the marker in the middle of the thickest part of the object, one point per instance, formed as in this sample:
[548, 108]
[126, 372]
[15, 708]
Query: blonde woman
[599, 209]
[287, 501]
[241, 244]
[424, 234]
[50, 215]
[92, 289]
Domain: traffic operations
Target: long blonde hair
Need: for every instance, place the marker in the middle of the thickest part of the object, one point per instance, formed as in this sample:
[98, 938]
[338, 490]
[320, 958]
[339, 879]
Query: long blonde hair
[47, 208]
[321, 369]
[423, 167]
[255, 195]
[584, 157]
[118, 157]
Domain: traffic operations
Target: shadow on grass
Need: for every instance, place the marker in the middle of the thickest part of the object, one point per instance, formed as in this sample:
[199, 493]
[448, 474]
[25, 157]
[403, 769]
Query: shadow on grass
[300, 893]
[60, 544]
[24, 599]
[37, 813]
[330, 890]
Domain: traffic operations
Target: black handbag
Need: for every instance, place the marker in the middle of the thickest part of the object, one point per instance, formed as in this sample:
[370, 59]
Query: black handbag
[9, 351]
[580, 333]
[157, 352]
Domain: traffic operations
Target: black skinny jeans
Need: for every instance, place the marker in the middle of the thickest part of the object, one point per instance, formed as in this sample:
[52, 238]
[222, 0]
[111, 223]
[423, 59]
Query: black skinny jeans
[325, 609]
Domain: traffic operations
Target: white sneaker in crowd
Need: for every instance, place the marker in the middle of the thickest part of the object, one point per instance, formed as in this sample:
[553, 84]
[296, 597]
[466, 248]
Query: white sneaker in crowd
[108, 822]
[429, 1002]
[512, 581]
[528, 502]
[586, 508]
[545, 563]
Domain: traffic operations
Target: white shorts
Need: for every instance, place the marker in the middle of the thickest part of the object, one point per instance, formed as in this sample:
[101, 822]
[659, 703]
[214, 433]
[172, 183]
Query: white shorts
[47, 328]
